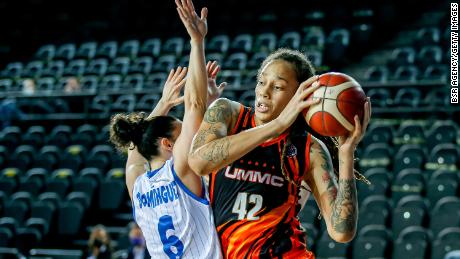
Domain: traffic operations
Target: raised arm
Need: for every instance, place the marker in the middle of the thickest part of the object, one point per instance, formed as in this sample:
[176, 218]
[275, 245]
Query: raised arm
[135, 164]
[213, 148]
[337, 199]
[195, 93]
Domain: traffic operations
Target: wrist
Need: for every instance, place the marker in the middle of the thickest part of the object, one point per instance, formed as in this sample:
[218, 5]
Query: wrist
[164, 103]
[199, 41]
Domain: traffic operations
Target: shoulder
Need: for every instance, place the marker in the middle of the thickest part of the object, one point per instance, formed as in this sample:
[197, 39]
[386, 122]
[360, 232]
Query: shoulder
[222, 110]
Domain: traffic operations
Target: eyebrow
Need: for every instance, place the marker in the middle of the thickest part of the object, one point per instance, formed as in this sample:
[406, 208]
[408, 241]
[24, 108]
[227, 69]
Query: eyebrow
[277, 77]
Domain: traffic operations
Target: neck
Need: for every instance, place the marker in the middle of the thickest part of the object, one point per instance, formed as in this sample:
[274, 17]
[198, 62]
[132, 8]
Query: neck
[157, 163]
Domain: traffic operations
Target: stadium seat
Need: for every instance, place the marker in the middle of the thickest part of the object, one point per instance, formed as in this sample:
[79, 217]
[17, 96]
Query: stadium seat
[429, 55]
[369, 247]
[59, 182]
[112, 191]
[315, 56]
[375, 231]
[264, 42]
[141, 65]
[406, 73]
[412, 242]
[443, 156]
[437, 189]
[33, 69]
[409, 156]
[376, 155]
[378, 133]
[380, 97]
[65, 52]
[34, 136]
[218, 44]
[23, 157]
[289, 40]
[39, 224]
[119, 65]
[97, 67]
[377, 203]
[75, 67]
[235, 61]
[107, 50]
[414, 201]
[48, 157]
[73, 157]
[54, 69]
[87, 50]
[51, 198]
[147, 102]
[314, 38]
[407, 182]
[447, 240]
[309, 213]
[376, 74]
[44, 210]
[124, 103]
[173, 46]
[232, 77]
[79, 197]
[442, 132]
[6, 237]
[86, 185]
[13, 70]
[407, 97]
[402, 56]
[441, 174]
[133, 82]
[164, 63]
[70, 216]
[256, 60]
[100, 157]
[327, 248]
[6, 85]
[150, 47]
[10, 137]
[337, 43]
[34, 181]
[406, 217]
[247, 98]
[60, 136]
[16, 209]
[46, 84]
[156, 81]
[241, 43]
[371, 216]
[214, 56]
[436, 98]
[428, 36]
[100, 104]
[380, 181]
[9, 223]
[410, 132]
[129, 49]
[110, 83]
[12, 253]
[446, 213]
[435, 72]
[46, 52]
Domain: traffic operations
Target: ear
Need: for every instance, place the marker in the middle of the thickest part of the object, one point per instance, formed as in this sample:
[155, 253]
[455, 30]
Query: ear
[166, 144]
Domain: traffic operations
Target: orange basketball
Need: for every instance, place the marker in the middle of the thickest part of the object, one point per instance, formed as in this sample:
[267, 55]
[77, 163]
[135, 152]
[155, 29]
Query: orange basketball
[341, 99]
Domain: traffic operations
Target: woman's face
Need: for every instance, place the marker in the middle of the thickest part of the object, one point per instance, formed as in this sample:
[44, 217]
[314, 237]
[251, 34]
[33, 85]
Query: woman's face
[276, 86]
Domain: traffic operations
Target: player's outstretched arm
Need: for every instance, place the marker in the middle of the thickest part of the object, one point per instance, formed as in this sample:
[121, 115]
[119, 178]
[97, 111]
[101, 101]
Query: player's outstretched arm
[212, 148]
[337, 199]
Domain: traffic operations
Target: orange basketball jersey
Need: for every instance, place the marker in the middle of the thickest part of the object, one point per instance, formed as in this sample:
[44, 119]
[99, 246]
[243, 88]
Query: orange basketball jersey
[254, 205]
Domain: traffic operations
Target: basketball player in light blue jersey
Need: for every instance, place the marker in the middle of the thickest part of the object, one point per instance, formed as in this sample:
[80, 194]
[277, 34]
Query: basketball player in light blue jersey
[170, 202]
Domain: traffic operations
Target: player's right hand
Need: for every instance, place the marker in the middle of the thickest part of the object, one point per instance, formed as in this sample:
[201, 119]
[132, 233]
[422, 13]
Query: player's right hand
[197, 27]
[298, 103]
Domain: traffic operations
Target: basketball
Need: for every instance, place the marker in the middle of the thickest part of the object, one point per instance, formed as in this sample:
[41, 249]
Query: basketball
[342, 97]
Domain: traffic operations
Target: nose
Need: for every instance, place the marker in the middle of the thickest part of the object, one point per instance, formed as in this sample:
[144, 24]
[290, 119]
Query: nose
[264, 91]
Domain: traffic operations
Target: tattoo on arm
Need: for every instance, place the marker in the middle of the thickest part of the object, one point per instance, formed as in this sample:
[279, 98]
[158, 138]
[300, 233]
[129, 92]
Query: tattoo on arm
[326, 165]
[344, 212]
[220, 112]
[202, 135]
[217, 151]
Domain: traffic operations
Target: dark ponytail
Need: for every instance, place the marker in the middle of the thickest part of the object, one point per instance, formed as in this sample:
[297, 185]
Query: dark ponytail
[135, 128]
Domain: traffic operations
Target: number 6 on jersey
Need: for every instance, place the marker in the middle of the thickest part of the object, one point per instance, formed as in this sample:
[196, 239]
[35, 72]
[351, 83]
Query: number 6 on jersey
[241, 205]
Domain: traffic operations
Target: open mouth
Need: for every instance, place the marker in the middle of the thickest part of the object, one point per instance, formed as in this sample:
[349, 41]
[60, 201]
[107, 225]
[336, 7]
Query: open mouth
[261, 107]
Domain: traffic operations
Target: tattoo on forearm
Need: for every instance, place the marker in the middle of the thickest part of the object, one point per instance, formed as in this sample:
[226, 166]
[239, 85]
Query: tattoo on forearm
[326, 177]
[216, 152]
[203, 135]
[344, 211]
[219, 112]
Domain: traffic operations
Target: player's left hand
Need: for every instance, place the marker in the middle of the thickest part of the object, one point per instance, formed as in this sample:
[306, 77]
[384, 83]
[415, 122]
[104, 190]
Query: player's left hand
[348, 144]
[214, 91]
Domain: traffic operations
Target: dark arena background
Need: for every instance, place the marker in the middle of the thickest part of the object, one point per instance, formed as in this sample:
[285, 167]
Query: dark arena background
[67, 66]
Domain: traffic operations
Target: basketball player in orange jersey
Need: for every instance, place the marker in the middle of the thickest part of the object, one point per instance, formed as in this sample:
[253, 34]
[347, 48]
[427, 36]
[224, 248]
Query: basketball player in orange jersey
[260, 156]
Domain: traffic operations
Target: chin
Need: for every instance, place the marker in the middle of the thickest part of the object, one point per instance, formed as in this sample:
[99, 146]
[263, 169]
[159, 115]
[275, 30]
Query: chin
[263, 117]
